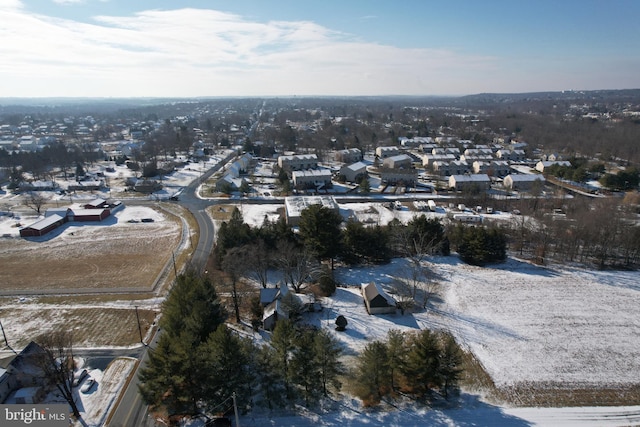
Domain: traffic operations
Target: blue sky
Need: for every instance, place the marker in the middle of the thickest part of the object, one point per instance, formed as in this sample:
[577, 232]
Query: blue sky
[115, 48]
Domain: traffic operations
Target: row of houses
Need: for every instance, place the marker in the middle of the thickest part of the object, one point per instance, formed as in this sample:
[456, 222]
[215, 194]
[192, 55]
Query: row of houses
[482, 182]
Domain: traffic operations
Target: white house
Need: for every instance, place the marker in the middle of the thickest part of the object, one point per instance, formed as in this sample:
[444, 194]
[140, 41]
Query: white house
[522, 182]
[463, 182]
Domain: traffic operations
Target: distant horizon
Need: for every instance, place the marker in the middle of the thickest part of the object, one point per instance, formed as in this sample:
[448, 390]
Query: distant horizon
[205, 97]
[250, 48]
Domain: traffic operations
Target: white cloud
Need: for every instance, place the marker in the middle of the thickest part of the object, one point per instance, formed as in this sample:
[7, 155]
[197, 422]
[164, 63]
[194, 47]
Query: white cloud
[194, 52]
[67, 2]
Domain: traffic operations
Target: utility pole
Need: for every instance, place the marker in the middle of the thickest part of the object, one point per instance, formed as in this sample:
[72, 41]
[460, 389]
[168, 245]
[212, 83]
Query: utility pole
[139, 328]
[235, 409]
[175, 270]
[5, 338]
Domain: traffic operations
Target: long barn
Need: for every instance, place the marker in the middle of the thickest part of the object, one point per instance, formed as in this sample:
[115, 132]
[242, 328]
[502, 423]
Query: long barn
[43, 226]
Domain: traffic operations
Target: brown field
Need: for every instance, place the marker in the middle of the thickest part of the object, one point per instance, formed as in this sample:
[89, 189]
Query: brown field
[109, 257]
[91, 326]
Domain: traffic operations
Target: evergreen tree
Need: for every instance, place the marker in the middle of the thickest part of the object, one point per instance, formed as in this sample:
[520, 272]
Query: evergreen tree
[320, 231]
[422, 363]
[270, 382]
[227, 369]
[173, 378]
[192, 306]
[327, 358]
[396, 354]
[282, 341]
[373, 376]
[450, 364]
[305, 372]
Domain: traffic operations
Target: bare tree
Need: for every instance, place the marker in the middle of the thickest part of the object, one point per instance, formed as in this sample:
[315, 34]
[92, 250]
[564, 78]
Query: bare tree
[235, 267]
[35, 200]
[297, 265]
[57, 364]
[415, 285]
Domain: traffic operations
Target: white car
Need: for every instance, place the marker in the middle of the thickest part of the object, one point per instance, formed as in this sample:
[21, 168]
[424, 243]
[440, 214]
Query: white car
[88, 385]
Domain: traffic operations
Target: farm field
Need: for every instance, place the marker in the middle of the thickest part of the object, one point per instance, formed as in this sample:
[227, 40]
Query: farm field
[108, 256]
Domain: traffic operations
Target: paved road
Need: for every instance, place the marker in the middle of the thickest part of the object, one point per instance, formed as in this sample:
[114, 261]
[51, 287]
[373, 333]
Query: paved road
[131, 410]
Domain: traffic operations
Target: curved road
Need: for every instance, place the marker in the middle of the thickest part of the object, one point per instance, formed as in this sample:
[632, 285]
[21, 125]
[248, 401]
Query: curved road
[131, 411]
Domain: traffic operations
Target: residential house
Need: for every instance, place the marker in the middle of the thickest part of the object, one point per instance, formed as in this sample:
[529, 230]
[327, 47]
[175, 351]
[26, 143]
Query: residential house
[354, 172]
[316, 179]
[542, 165]
[349, 155]
[407, 177]
[298, 162]
[397, 162]
[389, 151]
[285, 305]
[465, 182]
[522, 182]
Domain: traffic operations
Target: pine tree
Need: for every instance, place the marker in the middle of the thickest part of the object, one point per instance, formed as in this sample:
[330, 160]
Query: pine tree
[320, 231]
[192, 305]
[227, 368]
[373, 376]
[282, 341]
[396, 352]
[450, 364]
[327, 358]
[270, 382]
[422, 363]
[305, 371]
[173, 376]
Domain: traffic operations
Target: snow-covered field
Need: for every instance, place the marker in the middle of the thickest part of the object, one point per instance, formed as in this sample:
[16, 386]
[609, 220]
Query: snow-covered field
[525, 323]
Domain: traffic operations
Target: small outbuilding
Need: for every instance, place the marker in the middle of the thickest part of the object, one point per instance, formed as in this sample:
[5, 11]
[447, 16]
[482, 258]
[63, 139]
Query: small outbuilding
[376, 300]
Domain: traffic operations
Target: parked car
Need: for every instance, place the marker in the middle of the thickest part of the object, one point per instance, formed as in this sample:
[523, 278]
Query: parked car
[147, 219]
[79, 376]
[88, 385]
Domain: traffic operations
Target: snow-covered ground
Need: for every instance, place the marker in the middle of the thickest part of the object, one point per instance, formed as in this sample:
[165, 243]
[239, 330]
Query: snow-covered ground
[525, 323]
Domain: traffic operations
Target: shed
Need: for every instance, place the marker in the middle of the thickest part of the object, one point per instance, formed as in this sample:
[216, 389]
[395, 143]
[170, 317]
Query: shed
[376, 300]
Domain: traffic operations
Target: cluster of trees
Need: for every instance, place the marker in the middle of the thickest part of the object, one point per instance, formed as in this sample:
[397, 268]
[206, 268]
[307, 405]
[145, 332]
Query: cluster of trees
[599, 232]
[479, 245]
[199, 362]
[47, 163]
[418, 364]
[623, 180]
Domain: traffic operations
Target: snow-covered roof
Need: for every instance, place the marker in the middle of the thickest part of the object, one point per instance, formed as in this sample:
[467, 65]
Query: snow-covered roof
[296, 204]
[525, 177]
[45, 222]
[482, 177]
[373, 289]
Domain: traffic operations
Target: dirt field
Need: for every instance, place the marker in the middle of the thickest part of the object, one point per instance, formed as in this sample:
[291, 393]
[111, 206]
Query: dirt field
[111, 255]
[91, 326]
